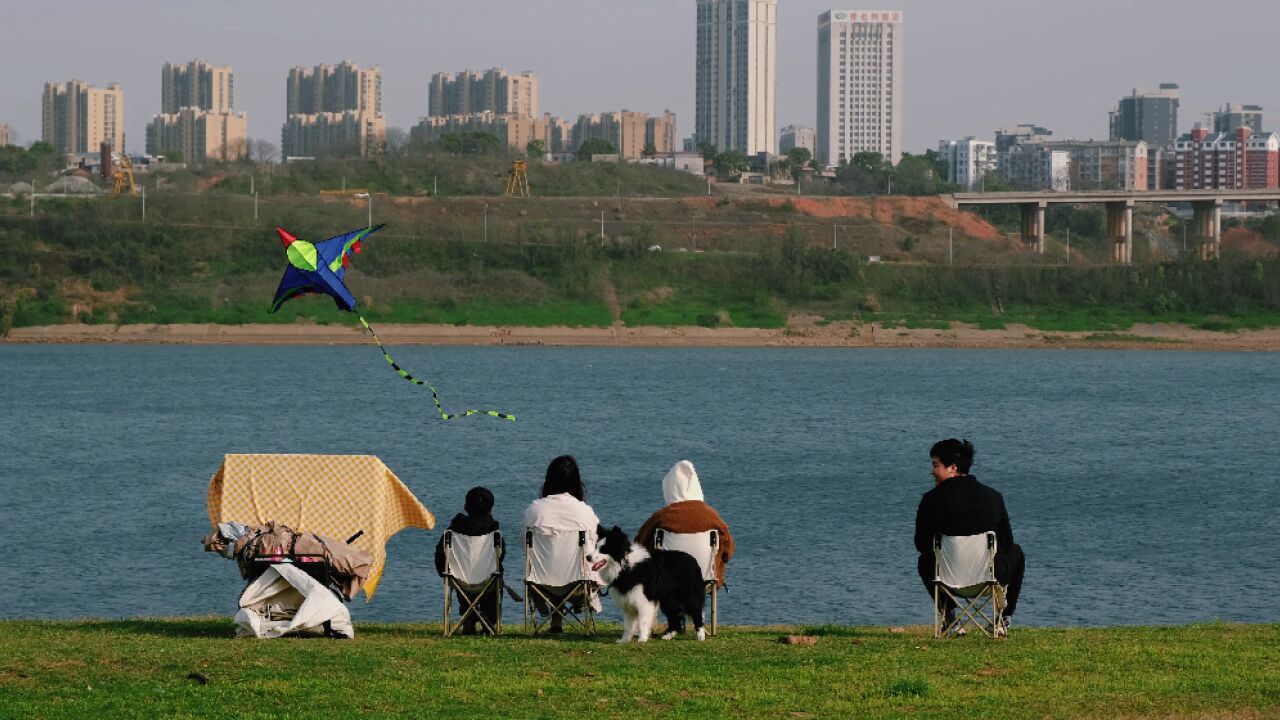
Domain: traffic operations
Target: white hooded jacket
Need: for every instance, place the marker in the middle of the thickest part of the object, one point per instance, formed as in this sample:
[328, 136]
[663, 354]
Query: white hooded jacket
[681, 483]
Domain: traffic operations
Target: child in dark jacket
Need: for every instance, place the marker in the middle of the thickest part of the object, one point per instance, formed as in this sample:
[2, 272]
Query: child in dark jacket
[477, 520]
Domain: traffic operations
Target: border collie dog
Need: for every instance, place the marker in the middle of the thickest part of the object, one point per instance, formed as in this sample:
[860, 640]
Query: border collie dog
[644, 582]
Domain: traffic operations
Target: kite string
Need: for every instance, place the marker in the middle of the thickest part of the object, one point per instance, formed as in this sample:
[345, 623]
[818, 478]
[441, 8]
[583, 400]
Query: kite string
[434, 394]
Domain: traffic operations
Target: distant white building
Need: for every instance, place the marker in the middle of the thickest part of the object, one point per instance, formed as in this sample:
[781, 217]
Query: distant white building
[859, 84]
[1035, 166]
[968, 161]
[794, 136]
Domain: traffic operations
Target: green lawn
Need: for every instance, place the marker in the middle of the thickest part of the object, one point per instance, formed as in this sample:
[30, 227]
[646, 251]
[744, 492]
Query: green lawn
[154, 668]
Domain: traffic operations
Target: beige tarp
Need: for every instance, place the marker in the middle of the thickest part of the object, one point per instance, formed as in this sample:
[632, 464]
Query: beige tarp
[332, 495]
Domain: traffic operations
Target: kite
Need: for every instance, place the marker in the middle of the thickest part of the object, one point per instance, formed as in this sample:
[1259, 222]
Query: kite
[319, 268]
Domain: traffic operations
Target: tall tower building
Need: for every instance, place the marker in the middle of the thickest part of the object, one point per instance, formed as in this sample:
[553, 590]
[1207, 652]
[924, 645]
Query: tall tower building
[333, 88]
[1150, 116]
[1232, 117]
[196, 118]
[196, 84]
[859, 84]
[77, 117]
[736, 75]
[494, 90]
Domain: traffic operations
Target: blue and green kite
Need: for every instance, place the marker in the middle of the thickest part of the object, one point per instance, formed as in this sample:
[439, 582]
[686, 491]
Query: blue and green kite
[320, 268]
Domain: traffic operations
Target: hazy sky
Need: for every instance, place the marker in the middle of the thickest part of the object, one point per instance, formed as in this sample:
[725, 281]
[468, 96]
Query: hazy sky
[971, 65]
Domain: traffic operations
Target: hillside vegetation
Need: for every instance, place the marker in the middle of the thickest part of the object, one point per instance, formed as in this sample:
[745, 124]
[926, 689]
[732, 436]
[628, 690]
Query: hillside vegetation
[743, 260]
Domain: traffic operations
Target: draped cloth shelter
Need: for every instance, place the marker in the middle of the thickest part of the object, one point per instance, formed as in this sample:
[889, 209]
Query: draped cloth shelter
[332, 495]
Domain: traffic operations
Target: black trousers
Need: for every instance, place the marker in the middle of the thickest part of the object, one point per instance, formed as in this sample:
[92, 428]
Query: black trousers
[1010, 566]
[488, 606]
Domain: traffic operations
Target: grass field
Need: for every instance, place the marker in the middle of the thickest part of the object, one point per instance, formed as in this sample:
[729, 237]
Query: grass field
[194, 668]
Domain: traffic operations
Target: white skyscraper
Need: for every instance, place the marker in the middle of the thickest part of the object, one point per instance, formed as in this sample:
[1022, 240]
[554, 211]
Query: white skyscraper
[859, 84]
[737, 74]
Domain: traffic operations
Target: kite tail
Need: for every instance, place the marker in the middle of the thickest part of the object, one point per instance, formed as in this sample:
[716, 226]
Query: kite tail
[434, 395]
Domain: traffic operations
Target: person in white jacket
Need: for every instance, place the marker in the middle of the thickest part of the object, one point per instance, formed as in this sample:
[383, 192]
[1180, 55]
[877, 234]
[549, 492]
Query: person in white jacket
[562, 508]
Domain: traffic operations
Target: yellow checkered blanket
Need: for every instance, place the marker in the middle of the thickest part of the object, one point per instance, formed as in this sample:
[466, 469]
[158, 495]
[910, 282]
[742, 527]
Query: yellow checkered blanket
[332, 495]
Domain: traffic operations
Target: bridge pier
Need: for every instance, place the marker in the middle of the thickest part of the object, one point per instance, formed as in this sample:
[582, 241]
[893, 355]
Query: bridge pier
[1120, 230]
[1207, 223]
[1033, 223]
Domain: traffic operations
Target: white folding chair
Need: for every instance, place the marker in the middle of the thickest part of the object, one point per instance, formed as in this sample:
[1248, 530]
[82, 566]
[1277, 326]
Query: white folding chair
[555, 568]
[965, 573]
[704, 547]
[472, 566]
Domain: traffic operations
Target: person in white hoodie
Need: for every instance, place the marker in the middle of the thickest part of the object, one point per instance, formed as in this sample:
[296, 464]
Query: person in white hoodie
[687, 512]
[561, 508]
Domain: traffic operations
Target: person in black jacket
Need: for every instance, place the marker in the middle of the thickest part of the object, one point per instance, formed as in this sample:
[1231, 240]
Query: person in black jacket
[478, 520]
[959, 505]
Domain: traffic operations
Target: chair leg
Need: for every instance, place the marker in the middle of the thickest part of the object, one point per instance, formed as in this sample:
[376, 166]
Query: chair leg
[497, 620]
[447, 630]
[937, 620]
[715, 608]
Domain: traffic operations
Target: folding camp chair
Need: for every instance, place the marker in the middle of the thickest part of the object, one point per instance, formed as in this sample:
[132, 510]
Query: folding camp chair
[555, 568]
[473, 567]
[965, 573]
[704, 547]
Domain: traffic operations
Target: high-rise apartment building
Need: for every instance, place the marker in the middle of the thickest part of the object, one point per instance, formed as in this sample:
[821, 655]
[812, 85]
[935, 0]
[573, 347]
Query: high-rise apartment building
[494, 91]
[1232, 117]
[196, 117]
[968, 161]
[1237, 160]
[197, 85]
[859, 84]
[77, 117]
[198, 135]
[333, 110]
[736, 74]
[1009, 138]
[1090, 165]
[794, 136]
[1151, 116]
[660, 131]
[334, 88]
[514, 132]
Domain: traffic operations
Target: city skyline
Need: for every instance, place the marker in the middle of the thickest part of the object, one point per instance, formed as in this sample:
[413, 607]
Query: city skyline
[1029, 66]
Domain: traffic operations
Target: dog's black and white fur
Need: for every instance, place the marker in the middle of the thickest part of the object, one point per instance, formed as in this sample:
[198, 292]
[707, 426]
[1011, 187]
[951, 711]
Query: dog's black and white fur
[642, 583]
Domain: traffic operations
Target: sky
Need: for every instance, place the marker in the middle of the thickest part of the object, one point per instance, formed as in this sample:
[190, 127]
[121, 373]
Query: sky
[971, 66]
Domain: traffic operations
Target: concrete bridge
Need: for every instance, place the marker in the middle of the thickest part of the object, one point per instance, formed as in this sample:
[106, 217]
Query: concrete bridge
[1206, 206]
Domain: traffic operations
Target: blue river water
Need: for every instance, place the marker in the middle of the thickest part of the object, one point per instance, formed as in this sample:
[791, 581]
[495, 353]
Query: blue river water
[1142, 485]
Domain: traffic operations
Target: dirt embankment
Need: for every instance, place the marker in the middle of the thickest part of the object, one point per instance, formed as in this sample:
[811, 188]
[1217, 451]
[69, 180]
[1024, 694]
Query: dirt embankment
[884, 210]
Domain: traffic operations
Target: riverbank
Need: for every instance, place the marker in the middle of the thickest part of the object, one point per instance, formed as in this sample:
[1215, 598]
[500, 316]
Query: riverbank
[800, 332]
[194, 668]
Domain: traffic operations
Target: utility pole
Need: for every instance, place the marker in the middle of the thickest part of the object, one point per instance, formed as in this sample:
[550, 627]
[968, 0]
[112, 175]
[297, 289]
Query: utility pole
[252, 189]
[833, 237]
[33, 201]
[435, 189]
[1068, 247]
[951, 254]
[708, 186]
[144, 202]
[486, 222]
[601, 228]
[255, 206]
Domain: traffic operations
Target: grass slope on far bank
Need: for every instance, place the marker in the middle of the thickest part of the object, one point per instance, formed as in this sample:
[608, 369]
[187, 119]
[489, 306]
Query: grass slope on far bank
[194, 668]
[81, 263]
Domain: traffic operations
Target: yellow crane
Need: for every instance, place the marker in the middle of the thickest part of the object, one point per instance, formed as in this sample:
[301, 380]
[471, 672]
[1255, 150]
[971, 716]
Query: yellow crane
[123, 174]
[518, 180]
